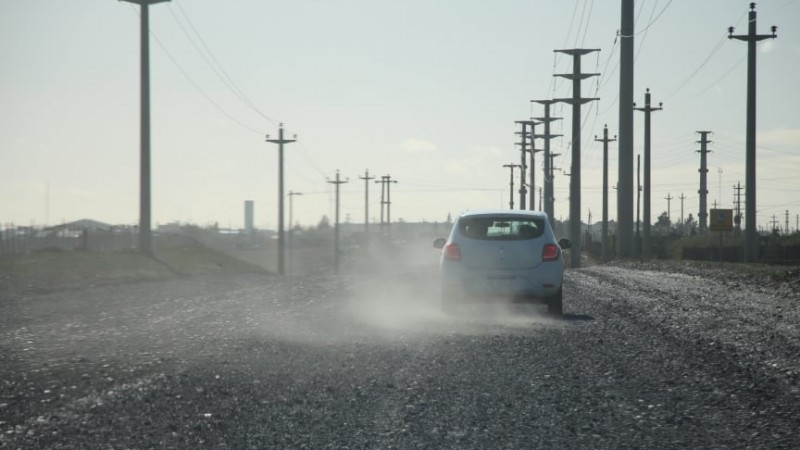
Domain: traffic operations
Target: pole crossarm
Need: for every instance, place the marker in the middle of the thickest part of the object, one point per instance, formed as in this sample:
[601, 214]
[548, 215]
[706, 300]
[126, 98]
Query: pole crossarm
[576, 76]
[142, 2]
[576, 101]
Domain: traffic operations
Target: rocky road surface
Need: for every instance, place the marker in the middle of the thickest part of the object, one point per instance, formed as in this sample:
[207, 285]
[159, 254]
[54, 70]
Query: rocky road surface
[645, 357]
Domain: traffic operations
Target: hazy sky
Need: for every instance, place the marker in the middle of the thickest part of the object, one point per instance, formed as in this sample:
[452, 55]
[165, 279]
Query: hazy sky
[426, 91]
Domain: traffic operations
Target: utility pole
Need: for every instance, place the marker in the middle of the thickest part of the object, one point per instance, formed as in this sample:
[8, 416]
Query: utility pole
[774, 223]
[549, 200]
[786, 229]
[647, 192]
[145, 221]
[281, 238]
[541, 195]
[605, 140]
[625, 160]
[704, 151]
[290, 245]
[751, 38]
[738, 219]
[524, 144]
[575, 180]
[366, 179]
[386, 201]
[511, 183]
[669, 198]
[338, 182]
[638, 196]
[683, 223]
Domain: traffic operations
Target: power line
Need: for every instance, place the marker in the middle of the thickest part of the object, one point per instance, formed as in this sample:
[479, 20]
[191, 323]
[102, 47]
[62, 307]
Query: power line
[196, 86]
[215, 66]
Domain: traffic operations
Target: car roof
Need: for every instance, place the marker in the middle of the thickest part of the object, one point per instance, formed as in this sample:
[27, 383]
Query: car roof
[504, 212]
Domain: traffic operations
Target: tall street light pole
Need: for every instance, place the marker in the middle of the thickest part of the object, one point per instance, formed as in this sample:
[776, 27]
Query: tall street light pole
[145, 233]
[281, 235]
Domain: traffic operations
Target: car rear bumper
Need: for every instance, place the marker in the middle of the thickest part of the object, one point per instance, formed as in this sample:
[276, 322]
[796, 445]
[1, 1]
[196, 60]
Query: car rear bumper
[542, 282]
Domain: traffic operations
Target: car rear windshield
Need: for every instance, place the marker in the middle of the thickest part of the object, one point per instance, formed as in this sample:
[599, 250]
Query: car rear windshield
[501, 228]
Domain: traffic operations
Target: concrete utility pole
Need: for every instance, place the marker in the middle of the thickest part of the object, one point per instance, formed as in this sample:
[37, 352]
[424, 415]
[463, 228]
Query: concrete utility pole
[786, 229]
[605, 140]
[290, 246]
[669, 198]
[386, 181]
[549, 200]
[704, 151]
[511, 168]
[774, 223]
[338, 182]
[625, 160]
[683, 223]
[145, 221]
[737, 220]
[366, 179]
[750, 250]
[638, 196]
[281, 238]
[575, 180]
[647, 191]
[525, 135]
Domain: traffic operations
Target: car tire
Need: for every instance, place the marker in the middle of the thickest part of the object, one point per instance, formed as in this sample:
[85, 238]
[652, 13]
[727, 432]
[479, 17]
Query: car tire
[555, 304]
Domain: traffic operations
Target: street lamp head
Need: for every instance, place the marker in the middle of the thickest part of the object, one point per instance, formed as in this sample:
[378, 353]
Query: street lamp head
[753, 5]
[774, 31]
[730, 31]
[295, 136]
[267, 136]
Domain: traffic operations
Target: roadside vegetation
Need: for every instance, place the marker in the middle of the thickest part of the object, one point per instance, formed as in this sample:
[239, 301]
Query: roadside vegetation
[63, 269]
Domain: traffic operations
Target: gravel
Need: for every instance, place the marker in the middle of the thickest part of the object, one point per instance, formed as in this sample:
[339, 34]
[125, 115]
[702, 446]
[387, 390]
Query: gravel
[647, 356]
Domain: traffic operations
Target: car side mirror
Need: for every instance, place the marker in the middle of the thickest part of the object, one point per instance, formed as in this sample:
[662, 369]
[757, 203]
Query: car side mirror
[564, 243]
[439, 243]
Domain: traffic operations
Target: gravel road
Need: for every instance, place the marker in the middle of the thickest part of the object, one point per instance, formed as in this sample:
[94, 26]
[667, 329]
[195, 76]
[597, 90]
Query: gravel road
[645, 357]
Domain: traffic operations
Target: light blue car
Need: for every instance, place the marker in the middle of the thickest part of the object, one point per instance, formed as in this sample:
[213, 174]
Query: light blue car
[504, 253]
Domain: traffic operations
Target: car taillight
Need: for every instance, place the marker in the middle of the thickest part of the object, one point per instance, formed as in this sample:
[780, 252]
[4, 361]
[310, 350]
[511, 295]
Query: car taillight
[550, 252]
[452, 251]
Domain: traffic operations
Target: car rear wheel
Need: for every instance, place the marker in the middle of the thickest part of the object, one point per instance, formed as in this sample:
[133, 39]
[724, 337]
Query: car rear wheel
[555, 304]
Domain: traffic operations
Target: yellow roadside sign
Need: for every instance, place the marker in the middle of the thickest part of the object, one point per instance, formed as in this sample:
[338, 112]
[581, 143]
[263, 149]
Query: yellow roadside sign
[720, 220]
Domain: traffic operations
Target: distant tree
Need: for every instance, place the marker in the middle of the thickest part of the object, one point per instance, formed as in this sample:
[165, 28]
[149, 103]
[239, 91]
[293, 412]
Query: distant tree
[324, 223]
[663, 225]
[689, 226]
